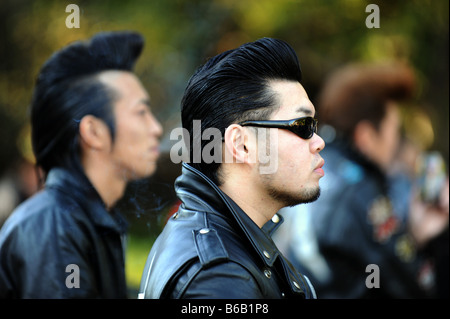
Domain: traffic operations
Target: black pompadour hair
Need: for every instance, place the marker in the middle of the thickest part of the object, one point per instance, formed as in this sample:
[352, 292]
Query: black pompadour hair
[235, 86]
[67, 88]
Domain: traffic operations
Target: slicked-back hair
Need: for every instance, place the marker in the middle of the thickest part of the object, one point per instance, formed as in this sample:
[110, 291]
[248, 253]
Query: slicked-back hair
[67, 89]
[235, 86]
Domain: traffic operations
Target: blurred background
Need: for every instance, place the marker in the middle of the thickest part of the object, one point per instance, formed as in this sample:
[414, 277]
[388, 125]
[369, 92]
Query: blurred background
[180, 35]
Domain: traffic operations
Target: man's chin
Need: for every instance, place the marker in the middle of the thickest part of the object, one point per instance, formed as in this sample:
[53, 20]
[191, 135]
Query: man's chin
[289, 200]
[312, 197]
[143, 173]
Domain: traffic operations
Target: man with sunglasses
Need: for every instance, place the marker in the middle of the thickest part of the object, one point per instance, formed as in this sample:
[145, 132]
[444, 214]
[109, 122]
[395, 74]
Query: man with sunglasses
[368, 236]
[218, 244]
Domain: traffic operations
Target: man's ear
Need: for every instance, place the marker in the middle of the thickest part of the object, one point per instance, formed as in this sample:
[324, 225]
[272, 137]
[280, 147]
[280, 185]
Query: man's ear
[236, 143]
[94, 133]
[365, 137]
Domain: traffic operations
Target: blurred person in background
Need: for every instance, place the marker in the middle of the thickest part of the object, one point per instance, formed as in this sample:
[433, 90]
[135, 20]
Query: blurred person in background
[218, 244]
[367, 215]
[92, 132]
[18, 184]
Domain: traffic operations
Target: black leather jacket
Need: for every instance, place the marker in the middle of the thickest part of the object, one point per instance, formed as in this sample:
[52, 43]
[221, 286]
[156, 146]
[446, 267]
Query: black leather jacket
[64, 224]
[211, 249]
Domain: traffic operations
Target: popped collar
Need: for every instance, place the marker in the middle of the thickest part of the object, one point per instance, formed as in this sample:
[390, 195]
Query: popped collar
[260, 238]
[80, 187]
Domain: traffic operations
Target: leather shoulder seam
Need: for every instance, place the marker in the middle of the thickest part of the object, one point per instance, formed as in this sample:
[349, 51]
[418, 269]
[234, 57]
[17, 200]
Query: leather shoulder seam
[210, 248]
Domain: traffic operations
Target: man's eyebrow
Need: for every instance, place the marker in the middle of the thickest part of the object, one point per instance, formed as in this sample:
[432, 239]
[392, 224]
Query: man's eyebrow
[303, 109]
[145, 102]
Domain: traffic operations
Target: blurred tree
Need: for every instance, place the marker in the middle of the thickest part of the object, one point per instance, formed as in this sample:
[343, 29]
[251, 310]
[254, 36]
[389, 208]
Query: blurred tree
[181, 34]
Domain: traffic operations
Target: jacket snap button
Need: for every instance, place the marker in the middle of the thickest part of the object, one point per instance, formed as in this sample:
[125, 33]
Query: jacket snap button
[266, 254]
[175, 216]
[204, 231]
[267, 273]
[275, 219]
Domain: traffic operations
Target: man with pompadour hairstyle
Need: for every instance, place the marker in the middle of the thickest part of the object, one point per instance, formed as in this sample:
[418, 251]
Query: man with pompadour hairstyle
[218, 244]
[92, 132]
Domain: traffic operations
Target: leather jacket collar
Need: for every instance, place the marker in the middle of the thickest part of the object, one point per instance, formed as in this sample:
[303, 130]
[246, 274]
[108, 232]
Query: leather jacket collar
[193, 182]
[86, 195]
[211, 229]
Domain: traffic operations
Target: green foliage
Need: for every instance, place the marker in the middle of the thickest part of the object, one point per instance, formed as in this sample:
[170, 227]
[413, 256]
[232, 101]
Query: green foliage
[181, 34]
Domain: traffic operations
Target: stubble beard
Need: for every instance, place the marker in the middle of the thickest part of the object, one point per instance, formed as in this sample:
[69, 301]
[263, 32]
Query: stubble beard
[289, 199]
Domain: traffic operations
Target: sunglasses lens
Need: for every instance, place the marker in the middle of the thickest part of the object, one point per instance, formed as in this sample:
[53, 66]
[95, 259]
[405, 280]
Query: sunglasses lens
[305, 127]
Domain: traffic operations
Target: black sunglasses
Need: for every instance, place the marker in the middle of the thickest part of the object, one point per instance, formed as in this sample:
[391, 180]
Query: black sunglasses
[304, 127]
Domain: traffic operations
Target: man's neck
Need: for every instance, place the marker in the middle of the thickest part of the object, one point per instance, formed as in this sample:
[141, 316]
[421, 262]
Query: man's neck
[109, 186]
[258, 206]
